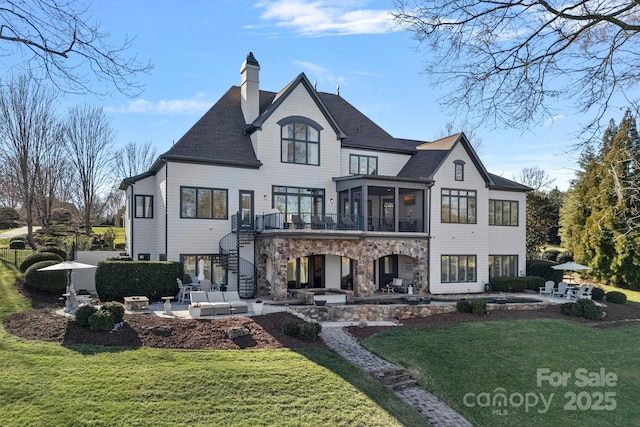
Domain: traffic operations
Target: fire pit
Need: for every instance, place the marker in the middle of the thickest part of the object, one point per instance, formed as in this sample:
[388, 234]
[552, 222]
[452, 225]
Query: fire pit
[136, 303]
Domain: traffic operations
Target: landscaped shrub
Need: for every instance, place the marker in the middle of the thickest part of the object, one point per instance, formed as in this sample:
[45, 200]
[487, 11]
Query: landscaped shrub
[305, 331]
[116, 309]
[571, 309]
[508, 284]
[597, 294]
[564, 257]
[550, 254]
[39, 257]
[83, 314]
[542, 268]
[54, 250]
[463, 306]
[9, 217]
[590, 310]
[49, 281]
[153, 279]
[309, 331]
[18, 243]
[478, 306]
[582, 308]
[101, 320]
[616, 297]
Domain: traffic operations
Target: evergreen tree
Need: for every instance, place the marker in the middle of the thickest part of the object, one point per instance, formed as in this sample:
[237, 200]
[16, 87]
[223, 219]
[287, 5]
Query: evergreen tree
[599, 218]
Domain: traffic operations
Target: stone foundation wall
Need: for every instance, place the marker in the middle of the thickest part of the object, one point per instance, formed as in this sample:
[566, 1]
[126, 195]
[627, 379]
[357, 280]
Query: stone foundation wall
[390, 312]
[364, 250]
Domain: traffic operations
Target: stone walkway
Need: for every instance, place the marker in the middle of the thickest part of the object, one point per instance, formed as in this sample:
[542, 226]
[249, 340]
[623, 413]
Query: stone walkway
[437, 413]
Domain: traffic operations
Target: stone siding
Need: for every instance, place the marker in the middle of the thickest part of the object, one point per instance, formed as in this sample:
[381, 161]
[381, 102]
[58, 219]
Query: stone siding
[363, 248]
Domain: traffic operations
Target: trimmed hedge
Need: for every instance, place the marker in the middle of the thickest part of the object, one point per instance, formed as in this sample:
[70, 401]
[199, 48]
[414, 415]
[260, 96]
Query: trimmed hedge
[616, 297]
[39, 257]
[475, 306]
[116, 309]
[101, 321]
[153, 279]
[83, 313]
[54, 250]
[597, 294]
[307, 331]
[49, 281]
[582, 308]
[541, 268]
[516, 284]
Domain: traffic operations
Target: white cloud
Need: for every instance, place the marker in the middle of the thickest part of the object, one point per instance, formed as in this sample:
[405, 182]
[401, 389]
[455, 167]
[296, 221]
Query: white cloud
[172, 106]
[325, 17]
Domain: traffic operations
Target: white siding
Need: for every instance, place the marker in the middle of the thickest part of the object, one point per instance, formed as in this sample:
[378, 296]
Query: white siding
[389, 164]
[509, 240]
[459, 239]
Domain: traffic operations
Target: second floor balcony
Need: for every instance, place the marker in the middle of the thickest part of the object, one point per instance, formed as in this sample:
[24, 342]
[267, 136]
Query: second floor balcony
[336, 223]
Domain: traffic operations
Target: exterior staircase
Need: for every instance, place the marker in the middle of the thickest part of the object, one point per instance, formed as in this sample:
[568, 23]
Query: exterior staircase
[230, 259]
[395, 379]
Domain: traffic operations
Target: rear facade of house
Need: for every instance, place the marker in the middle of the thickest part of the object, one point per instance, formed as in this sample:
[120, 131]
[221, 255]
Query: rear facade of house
[277, 191]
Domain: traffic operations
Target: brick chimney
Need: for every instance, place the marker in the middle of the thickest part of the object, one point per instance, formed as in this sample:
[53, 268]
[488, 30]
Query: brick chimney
[249, 88]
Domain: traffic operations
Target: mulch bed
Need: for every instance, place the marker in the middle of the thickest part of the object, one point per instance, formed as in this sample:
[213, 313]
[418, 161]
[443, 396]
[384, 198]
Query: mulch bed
[265, 332]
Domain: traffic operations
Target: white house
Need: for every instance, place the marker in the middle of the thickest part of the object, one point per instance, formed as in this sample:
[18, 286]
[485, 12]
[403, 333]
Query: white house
[299, 189]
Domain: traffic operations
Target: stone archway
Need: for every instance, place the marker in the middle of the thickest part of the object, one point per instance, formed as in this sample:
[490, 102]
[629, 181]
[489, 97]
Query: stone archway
[280, 249]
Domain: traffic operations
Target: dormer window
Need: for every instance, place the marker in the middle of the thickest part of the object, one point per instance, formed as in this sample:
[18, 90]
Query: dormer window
[459, 170]
[300, 141]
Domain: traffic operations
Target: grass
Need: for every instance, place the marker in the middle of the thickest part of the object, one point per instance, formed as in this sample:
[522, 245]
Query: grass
[485, 359]
[120, 237]
[52, 384]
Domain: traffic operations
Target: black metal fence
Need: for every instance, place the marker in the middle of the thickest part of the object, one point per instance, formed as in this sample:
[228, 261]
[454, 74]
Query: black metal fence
[13, 256]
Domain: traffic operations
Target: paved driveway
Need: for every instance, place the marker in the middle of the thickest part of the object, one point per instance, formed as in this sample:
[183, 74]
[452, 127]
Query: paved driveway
[16, 232]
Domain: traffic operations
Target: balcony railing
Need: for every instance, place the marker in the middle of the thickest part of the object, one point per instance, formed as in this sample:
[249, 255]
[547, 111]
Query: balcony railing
[331, 222]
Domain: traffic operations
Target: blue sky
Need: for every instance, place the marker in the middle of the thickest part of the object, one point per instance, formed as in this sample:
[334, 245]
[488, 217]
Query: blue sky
[197, 48]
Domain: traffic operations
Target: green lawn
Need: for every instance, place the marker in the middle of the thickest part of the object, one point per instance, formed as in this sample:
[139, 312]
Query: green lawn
[46, 384]
[120, 238]
[470, 365]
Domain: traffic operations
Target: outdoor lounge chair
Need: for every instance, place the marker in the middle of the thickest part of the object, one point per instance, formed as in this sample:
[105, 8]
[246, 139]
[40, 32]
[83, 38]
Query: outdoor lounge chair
[329, 223]
[579, 293]
[347, 223]
[316, 222]
[216, 297]
[548, 288]
[297, 221]
[561, 291]
[233, 298]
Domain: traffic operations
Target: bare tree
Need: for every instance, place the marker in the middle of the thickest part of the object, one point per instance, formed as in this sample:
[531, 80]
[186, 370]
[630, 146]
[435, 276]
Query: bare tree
[9, 187]
[512, 62]
[55, 41]
[450, 127]
[134, 159]
[27, 126]
[50, 181]
[89, 135]
[535, 178]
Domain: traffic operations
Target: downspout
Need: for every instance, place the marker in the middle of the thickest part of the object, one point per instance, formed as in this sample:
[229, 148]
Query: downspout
[132, 217]
[166, 211]
[429, 187]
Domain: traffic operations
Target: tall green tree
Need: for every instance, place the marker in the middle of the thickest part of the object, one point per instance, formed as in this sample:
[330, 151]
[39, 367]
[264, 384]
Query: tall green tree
[599, 217]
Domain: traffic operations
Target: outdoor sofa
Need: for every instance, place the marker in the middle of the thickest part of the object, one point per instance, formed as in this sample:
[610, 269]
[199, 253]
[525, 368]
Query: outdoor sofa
[213, 303]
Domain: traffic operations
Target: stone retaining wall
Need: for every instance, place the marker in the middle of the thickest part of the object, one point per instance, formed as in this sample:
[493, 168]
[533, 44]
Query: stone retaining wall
[387, 312]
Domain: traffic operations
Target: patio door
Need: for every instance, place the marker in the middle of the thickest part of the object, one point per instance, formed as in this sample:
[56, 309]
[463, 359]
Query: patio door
[246, 210]
[387, 269]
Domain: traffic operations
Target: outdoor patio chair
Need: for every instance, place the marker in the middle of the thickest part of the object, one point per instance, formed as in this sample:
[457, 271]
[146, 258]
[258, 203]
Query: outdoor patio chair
[347, 223]
[579, 293]
[184, 291]
[561, 291]
[297, 221]
[548, 288]
[316, 222]
[205, 285]
[329, 223]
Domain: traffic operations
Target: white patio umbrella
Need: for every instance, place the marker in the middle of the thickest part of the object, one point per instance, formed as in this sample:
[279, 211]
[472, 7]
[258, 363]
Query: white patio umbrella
[201, 270]
[570, 266]
[72, 301]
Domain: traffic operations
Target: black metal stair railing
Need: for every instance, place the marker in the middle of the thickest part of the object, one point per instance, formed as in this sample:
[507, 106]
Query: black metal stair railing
[230, 260]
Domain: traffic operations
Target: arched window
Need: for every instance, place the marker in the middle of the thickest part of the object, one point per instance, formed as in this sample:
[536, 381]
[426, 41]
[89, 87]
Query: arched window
[459, 170]
[300, 141]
